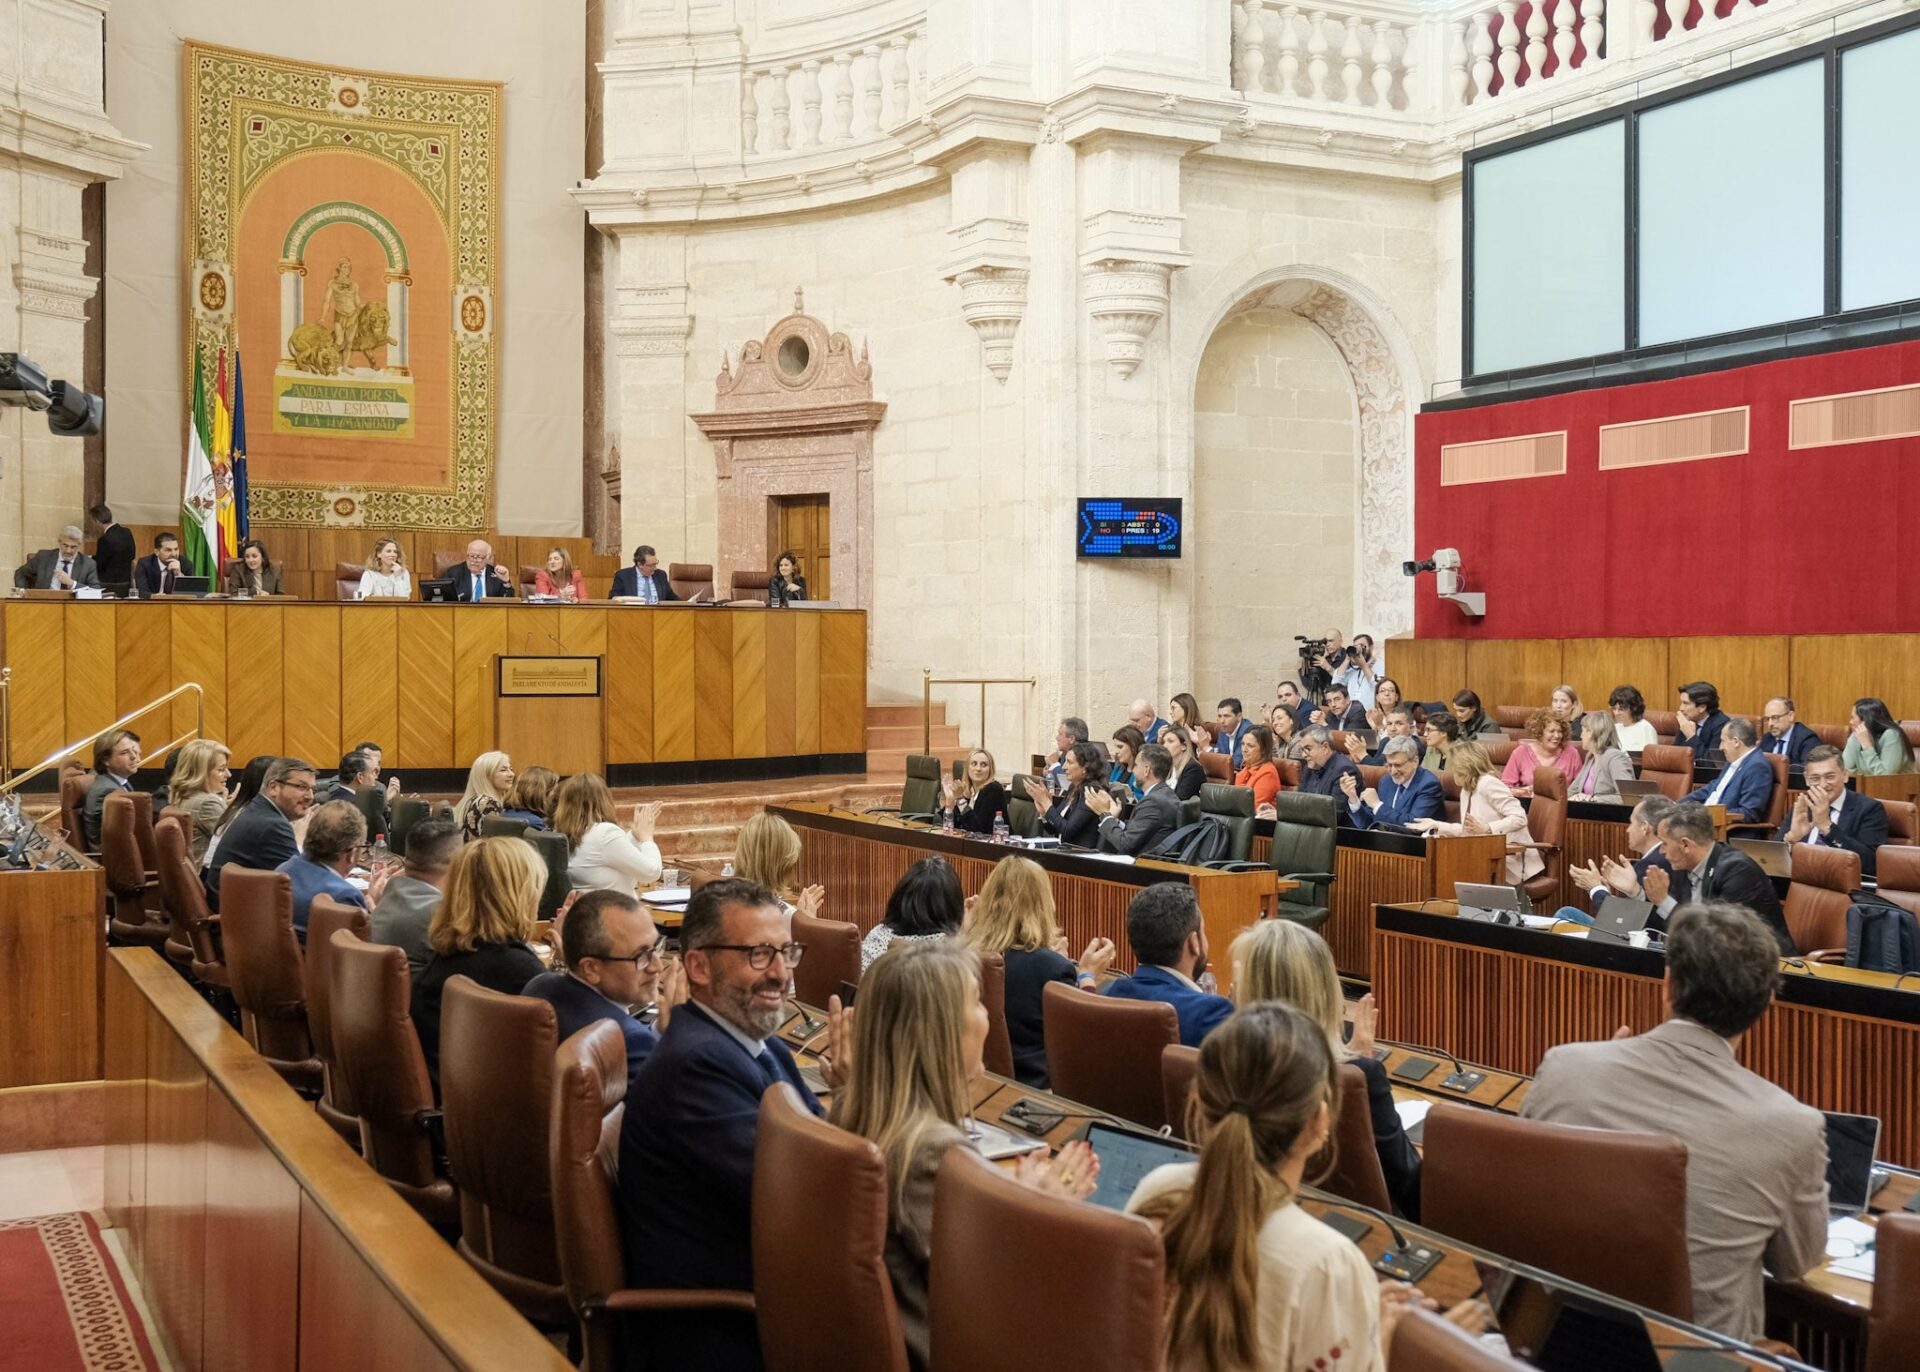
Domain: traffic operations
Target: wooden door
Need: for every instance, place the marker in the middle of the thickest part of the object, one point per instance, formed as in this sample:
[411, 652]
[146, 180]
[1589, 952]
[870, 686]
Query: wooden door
[803, 525]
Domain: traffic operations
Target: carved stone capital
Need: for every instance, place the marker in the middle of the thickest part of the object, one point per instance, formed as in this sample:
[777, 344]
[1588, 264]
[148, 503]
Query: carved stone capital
[57, 295]
[1127, 300]
[993, 301]
[651, 337]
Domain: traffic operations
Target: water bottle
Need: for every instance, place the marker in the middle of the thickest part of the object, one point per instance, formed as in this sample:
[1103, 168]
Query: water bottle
[946, 821]
[1209, 983]
[1000, 830]
[726, 870]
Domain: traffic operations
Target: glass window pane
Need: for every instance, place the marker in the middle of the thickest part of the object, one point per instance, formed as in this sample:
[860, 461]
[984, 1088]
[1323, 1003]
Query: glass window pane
[1879, 171]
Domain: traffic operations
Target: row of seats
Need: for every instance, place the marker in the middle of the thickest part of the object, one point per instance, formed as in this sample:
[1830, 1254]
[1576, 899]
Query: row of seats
[1666, 723]
[686, 578]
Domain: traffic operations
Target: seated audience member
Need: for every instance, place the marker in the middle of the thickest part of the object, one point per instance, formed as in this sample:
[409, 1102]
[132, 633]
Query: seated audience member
[482, 929]
[1397, 722]
[356, 770]
[1288, 737]
[767, 853]
[1701, 719]
[385, 575]
[643, 580]
[601, 855]
[1070, 731]
[926, 903]
[1565, 702]
[252, 776]
[198, 788]
[404, 913]
[1632, 730]
[613, 964]
[1440, 733]
[489, 783]
[1260, 774]
[1188, 774]
[253, 572]
[1341, 711]
[116, 757]
[1605, 767]
[335, 831]
[1745, 784]
[1143, 716]
[1487, 806]
[1876, 746]
[1287, 696]
[1548, 743]
[1474, 721]
[531, 799]
[1278, 959]
[1386, 698]
[1184, 710]
[1716, 872]
[1756, 1157]
[1068, 816]
[377, 755]
[1203, 739]
[261, 835]
[1828, 815]
[478, 578]
[687, 1139]
[1253, 1281]
[1014, 917]
[560, 577]
[976, 799]
[63, 567]
[918, 1045]
[1124, 747]
[1617, 876]
[113, 549]
[1785, 736]
[1232, 728]
[1321, 768]
[1169, 943]
[1154, 816]
[159, 572]
[1406, 793]
[786, 584]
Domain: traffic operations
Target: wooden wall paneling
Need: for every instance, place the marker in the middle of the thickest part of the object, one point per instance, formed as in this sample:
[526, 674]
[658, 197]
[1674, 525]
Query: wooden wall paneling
[479, 635]
[257, 675]
[1850, 1065]
[1363, 879]
[1513, 671]
[1594, 666]
[843, 683]
[1426, 668]
[200, 654]
[310, 712]
[90, 660]
[1830, 672]
[349, 1321]
[534, 630]
[749, 654]
[806, 684]
[253, 1248]
[712, 683]
[37, 652]
[583, 632]
[369, 677]
[629, 685]
[1588, 841]
[782, 636]
[327, 548]
[50, 949]
[177, 1157]
[424, 657]
[124, 1061]
[674, 703]
[144, 668]
[1746, 669]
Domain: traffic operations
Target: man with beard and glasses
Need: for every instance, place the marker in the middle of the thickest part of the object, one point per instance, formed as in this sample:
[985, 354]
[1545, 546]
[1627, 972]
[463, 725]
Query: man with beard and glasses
[686, 1145]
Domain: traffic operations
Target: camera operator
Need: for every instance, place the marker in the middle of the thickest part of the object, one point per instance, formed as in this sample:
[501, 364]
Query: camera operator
[1351, 668]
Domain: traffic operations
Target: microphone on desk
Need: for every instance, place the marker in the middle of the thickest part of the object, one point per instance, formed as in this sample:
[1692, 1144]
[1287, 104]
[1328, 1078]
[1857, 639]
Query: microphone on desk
[1463, 1079]
[1406, 1261]
[1805, 966]
[808, 1024]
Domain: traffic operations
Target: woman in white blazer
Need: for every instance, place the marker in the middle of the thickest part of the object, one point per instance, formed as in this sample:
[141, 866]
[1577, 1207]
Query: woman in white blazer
[1606, 766]
[385, 575]
[602, 855]
[1487, 806]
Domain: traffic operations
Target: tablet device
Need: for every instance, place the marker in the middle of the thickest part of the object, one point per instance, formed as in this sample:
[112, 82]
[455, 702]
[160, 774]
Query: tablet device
[1852, 1140]
[192, 585]
[1125, 1157]
[1416, 1069]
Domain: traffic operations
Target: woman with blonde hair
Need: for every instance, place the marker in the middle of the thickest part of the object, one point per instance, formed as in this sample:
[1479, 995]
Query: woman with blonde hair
[560, 578]
[1014, 917]
[976, 800]
[385, 574]
[199, 787]
[768, 852]
[480, 929]
[605, 857]
[917, 1046]
[1278, 959]
[1487, 806]
[1606, 766]
[489, 783]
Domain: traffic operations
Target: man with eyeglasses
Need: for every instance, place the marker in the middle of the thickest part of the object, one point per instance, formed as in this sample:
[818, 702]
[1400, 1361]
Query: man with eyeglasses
[335, 841]
[613, 963]
[261, 835]
[686, 1145]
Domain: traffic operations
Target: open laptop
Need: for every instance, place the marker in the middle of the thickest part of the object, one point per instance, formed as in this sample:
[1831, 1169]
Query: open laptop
[1775, 858]
[1618, 919]
[1563, 1331]
[192, 585]
[1852, 1141]
[1638, 790]
[1496, 904]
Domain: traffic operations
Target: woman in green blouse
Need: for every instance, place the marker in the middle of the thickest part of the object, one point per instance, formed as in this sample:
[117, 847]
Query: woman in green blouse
[1877, 747]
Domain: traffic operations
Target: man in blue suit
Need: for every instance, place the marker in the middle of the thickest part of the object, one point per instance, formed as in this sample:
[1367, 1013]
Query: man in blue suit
[643, 580]
[1233, 728]
[687, 1142]
[1700, 719]
[612, 953]
[1407, 792]
[1786, 735]
[1745, 785]
[1170, 944]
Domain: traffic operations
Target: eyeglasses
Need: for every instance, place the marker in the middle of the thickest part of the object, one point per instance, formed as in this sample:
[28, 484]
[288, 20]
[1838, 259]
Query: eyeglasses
[759, 955]
[651, 953]
[295, 785]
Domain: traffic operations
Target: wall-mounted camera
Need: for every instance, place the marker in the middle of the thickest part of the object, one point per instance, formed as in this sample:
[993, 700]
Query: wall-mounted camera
[1449, 582]
[71, 412]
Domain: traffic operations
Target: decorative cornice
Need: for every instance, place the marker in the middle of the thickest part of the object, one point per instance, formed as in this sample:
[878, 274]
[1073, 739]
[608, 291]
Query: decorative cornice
[57, 295]
[92, 152]
[617, 201]
[663, 337]
[793, 419]
[1127, 300]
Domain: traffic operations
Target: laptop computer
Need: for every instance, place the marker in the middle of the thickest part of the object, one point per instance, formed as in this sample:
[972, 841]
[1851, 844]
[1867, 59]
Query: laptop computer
[1618, 919]
[1127, 1155]
[1852, 1141]
[1638, 790]
[1500, 904]
[1775, 859]
[192, 585]
[1563, 1331]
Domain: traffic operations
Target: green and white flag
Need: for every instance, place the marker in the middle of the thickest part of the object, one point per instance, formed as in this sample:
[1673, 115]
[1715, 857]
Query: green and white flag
[199, 531]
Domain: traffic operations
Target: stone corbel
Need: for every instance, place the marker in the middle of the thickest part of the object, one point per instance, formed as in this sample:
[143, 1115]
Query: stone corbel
[1127, 300]
[993, 300]
[989, 260]
[654, 337]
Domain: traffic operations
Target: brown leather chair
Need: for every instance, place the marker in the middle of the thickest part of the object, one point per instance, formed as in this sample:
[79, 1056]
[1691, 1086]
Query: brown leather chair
[1105, 1052]
[819, 1249]
[529, 578]
[1903, 822]
[1668, 766]
[1289, 769]
[1354, 1167]
[324, 917]
[1547, 828]
[380, 1064]
[1512, 717]
[993, 994]
[1911, 729]
[1593, 1205]
[1498, 751]
[587, 1107]
[1897, 875]
[1067, 1284]
[496, 1092]
[73, 799]
[691, 578]
[1767, 822]
[129, 888]
[446, 562]
[1666, 723]
[265, 969]
[748, 586]
[179, 945]
[186, 900]
[1818, 898]
[1893, 1327]
[833, 957]
[143, 837]
[346, 580]
[1834, 735]
[1179, 1065]
[1423, 1342]
[1217, 766]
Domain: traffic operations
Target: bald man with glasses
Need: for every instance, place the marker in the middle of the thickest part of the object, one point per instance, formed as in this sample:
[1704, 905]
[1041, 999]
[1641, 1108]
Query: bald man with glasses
[613, 968]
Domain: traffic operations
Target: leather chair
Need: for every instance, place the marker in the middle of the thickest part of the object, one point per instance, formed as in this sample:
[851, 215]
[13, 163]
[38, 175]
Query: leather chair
[186, 901]
[1498, 751]
[1896, 875]
[143, 835]
[998, 1054]
[499, 826]
[922, 790]
[1666, 723]
[1818, 898]
[1911, 729]
[1105, 1052]
[496, 1092]
[820, 1278]
[1893, 1327]
[833, 957]
[552, 848]
[179, 944]
[325, 917]
[748, 586]
[1023, 817]
[1179, 1065]
[587, 1106]
[1305, 834]
[383, 1070]
[406, 812]
[1189, 811]
[1423, 1342]
[1903, 822]
[529, 578]
[1067, 1284]
[1353, 1170]
[1834, 735]
[1511, 717]
[1668, 766]
[1289, 769]
[1233, 807]
[1547, 828]
[73, 800]
[1594, 1205]
[1767, 822]
[1217, 766]
[346, 580]
[444, 563]
[265, 969]
[129, 887]
[691, 578]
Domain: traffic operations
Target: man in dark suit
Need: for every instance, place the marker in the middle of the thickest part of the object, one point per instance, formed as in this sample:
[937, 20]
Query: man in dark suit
[113, 553]
[1322, 768]
[1786, 735]
[1341, 711]
[159, 572]
[1615, 877]
[1155, 815]
[612, 952]
[1169, 943]
[1233, 729]
[261, 835]
[478, 578]
[1289, 698]
[687, 1142]
[643, 580]
[1827, 814]
[1395, 723]
[1407, 792]
[1701, 719]
[1720, 872]
[60, 568]
[1745, 784]
[116, 757]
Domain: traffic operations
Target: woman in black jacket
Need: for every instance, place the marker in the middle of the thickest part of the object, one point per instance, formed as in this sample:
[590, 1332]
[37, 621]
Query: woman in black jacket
[786, 583]
[1187, 776]
[1068, 816]
[976, 799]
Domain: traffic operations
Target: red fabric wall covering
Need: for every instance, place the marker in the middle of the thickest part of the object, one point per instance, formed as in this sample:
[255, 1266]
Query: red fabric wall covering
[1819, 540]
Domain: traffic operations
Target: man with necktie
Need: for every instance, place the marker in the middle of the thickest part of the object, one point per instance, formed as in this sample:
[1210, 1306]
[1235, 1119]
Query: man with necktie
[159, 572]
[643, 581]
[116, 757]
[60, 568]
[1406, 793]
[479, 579]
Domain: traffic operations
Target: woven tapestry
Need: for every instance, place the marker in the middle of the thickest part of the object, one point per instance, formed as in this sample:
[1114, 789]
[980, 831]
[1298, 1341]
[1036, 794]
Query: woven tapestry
[343, 234]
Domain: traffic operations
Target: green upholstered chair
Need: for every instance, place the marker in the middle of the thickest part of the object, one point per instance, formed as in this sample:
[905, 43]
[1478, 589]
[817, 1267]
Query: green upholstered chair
[1232, 806]
[1305, 829]
[1023, 818]
[920, 797]
[498, 826]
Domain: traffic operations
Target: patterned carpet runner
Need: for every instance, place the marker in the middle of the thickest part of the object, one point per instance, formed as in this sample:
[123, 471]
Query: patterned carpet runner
[63, 1305]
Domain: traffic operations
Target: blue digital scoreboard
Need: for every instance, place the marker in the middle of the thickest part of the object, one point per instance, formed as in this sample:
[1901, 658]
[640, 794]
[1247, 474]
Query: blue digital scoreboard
[1148, 527]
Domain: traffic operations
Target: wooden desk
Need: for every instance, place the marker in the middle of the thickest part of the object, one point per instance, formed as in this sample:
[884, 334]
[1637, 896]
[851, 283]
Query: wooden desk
[859, 858]
[52, 939]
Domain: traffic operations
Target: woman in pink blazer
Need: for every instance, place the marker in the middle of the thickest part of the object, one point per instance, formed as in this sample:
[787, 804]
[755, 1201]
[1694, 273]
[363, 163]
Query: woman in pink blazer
[1549, 743]
[1487, 806]
[560, 578]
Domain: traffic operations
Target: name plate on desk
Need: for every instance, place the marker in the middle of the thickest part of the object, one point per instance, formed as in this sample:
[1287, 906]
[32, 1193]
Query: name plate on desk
[548, 676]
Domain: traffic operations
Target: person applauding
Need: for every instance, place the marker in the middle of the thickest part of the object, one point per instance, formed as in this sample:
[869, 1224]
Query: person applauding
[1406, 793]
[1548, 744]
[976, 800]
[1067, 816]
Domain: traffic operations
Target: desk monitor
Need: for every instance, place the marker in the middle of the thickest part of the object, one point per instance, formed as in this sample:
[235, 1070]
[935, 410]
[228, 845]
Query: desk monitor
[1125, 1157]
[1852, 1140]
[437, 590]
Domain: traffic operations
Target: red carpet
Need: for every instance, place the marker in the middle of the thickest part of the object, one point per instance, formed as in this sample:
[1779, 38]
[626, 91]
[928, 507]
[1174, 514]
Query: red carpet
[63, 1306]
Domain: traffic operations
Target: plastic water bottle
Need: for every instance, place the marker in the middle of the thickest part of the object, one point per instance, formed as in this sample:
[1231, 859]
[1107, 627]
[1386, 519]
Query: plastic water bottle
[1209, 983]
[946, 821]
[1000, 830]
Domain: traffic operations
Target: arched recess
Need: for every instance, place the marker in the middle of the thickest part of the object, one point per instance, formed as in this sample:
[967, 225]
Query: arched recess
[398, 279]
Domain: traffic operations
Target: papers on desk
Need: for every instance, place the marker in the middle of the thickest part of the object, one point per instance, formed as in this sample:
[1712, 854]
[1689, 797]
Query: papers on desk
[88, 593]
[1126, 858]
[667, 895]
[1413, 1113]
[1850, 1246]
[994, 1143]
[1538, 921]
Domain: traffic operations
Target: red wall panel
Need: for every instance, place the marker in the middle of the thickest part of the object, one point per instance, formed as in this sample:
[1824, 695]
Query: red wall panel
[1819, 540]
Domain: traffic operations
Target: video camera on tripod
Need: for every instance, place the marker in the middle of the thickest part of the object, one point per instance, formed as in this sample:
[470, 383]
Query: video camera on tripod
[1314, 679]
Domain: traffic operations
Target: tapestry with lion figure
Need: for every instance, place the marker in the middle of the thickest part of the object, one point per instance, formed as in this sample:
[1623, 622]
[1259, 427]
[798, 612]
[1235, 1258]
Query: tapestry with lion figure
[344, 236]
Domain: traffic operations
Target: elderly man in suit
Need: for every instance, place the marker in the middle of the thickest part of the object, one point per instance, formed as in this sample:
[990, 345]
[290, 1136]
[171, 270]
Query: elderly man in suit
[643, 580]
[1155, 815]
[478, 578]
[1406, 793]
[61, 568]
[1745, 784]
[1756, 1157]
[1169, 942]
[612, 951]
[1827, 814]
[116, 757]
[1717, 871]
[1786, 735]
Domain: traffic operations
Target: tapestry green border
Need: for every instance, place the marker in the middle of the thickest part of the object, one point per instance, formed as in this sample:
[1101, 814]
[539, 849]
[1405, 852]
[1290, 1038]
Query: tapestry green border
[219, 82]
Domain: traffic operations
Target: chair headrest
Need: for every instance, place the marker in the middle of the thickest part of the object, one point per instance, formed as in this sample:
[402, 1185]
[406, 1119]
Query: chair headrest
[1234, 802]
[1299, 807]
[923, 768]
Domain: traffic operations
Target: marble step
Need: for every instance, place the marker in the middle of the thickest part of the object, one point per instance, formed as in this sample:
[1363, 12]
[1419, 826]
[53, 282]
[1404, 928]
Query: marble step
[883, 715]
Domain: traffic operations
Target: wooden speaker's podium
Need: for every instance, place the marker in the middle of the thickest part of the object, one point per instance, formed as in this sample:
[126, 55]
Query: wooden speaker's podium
[551, 710]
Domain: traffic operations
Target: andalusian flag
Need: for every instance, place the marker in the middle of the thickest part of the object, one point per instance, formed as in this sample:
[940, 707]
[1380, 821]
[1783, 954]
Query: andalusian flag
[238, 460]
[221, 452]
[199, 534]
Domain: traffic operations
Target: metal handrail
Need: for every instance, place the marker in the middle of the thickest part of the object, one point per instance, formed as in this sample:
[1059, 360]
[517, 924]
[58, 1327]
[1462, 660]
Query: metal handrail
[54, 759]
[928, 681]
[6, 724]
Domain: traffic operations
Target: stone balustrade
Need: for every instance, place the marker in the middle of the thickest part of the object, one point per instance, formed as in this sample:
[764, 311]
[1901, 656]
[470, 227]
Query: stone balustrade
[836, 98]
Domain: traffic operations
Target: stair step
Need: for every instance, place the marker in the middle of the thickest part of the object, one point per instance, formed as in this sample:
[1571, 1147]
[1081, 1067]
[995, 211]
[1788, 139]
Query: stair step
[912, 736]
[892, 762]
[904, 714]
